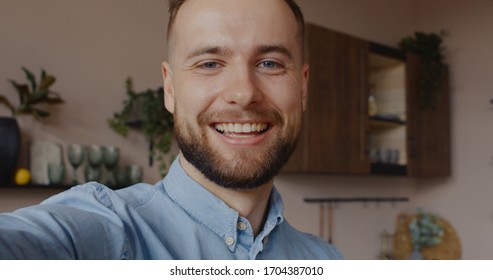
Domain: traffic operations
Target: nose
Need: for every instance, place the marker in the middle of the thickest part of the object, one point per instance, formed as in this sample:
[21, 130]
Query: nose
[244, 89]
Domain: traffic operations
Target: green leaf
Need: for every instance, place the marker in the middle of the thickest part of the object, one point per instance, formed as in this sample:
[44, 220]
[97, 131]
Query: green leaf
[30, 77]
[33, 93]
[6, 102]
[22, 90]
[38, 97]
[46, 82]
[54, 100]
[147, 107]
[38, 114]
[45, 96]
[118, 126]
[23, 110]
[129, 86]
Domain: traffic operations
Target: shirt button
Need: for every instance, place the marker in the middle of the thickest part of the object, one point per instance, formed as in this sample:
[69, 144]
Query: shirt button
[241, 226]
[229, 240]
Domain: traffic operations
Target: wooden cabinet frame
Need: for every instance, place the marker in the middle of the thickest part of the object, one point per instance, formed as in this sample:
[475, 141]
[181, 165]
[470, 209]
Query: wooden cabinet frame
[335, 135]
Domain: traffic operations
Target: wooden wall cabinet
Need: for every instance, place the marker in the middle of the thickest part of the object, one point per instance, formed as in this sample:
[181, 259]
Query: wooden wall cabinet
[342, 136]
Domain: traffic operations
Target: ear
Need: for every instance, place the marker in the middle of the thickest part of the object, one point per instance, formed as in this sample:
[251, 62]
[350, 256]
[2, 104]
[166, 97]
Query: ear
[169, 88]
[305, 75]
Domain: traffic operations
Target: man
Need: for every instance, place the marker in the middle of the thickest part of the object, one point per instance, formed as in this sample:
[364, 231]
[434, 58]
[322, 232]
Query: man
[236, 83]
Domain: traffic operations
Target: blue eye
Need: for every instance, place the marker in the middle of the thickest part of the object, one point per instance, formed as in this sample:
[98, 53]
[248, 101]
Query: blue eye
[209, 65]
[269, 64]
[271, 67]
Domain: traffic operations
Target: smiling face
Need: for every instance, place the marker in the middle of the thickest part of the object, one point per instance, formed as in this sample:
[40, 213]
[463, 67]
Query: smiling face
[236, 85]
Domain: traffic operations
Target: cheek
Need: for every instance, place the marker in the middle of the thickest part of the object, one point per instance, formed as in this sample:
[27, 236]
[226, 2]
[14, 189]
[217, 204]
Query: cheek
[193, 96]
[287, 98]
[286, 95]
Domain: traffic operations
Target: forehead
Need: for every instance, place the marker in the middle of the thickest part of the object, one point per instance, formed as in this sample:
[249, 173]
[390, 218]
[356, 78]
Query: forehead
[211, 22]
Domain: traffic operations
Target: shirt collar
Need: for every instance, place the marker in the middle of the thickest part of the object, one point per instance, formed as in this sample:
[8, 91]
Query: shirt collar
[211, 211]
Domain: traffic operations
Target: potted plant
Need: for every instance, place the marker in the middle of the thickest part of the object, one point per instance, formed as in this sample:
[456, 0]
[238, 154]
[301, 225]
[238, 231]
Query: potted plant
[426, 231]
[145, 112]
[31, 95]
[433, 70]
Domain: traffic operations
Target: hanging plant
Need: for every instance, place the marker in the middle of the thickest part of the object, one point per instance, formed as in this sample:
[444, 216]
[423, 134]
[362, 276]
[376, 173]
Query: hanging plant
[32, 95]
[145, 112]
[433, 69]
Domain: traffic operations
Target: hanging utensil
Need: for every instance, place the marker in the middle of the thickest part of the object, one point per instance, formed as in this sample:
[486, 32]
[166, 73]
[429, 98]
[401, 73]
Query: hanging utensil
[321, 221]
[329, 224]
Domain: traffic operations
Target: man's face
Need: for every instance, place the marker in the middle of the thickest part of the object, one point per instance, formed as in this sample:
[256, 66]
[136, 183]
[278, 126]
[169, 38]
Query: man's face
[236, 85]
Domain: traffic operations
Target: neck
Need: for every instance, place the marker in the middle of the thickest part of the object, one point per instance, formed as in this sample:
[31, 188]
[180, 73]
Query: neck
[251, 204]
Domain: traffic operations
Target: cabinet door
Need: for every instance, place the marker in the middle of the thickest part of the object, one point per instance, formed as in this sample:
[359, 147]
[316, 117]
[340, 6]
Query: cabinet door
[334, 137]
[428, 128]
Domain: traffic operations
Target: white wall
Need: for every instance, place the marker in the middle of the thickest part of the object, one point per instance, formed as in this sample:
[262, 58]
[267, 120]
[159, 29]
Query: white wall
[92, 46]
[466, 198]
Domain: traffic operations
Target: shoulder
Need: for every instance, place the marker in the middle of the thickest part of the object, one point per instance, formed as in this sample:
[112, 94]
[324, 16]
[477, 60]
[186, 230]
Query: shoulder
[95, 193]
[309, 245]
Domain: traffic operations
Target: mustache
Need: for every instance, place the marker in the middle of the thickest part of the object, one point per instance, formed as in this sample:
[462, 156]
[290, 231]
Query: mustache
[265, 115]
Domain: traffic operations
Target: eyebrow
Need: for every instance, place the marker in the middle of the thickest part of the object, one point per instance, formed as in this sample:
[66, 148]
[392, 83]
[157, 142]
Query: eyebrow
[208, 50]
[262, 49]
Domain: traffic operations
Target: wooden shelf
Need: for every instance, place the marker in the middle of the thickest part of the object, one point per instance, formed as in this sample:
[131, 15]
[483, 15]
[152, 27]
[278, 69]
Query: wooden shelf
[46, 187]
[30, 186]
[388, 169]
[377, 121]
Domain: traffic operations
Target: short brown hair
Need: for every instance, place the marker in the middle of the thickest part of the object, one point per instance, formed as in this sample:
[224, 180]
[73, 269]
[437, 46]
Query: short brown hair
[175, 5]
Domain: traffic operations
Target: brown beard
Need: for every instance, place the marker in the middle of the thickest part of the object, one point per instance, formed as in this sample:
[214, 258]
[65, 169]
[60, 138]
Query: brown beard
[248, 169]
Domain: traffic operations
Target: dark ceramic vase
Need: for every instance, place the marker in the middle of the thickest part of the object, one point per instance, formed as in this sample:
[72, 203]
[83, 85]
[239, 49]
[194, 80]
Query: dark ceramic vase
[9, 149]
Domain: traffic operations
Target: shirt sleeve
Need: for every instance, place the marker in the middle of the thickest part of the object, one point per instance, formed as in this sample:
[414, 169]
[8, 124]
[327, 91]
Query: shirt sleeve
[77, 224]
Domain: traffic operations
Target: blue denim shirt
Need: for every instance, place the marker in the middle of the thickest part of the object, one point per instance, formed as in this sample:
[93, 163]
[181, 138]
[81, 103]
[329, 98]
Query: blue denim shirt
[174, 219]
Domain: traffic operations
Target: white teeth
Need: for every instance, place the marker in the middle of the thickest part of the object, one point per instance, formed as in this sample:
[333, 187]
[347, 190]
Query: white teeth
[241, 128]
[238, 128]
[247, 128]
